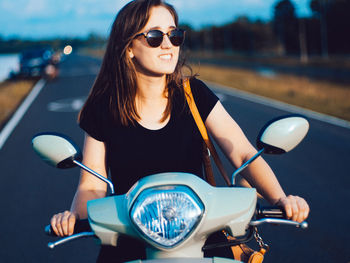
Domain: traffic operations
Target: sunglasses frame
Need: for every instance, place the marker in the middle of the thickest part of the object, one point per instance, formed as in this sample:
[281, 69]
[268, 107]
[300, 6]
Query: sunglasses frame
[162, 37]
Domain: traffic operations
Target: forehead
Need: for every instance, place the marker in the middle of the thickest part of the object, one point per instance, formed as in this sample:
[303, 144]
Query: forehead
[160, 17]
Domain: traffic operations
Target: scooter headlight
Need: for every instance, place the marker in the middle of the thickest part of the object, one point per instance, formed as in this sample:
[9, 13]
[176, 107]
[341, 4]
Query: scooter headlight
[167, 214]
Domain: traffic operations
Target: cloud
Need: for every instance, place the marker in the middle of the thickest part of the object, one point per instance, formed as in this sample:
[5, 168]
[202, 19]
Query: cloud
[35, 8]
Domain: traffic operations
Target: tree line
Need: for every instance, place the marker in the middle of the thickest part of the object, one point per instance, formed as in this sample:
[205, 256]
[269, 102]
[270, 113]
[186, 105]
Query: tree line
[323, 33]
[16, 45]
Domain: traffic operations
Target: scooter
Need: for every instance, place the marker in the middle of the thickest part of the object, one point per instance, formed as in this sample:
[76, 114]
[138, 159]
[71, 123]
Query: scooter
[174, 213]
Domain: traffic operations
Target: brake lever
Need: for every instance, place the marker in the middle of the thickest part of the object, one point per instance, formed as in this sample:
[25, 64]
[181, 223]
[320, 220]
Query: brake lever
[278, 221]
[52, 245]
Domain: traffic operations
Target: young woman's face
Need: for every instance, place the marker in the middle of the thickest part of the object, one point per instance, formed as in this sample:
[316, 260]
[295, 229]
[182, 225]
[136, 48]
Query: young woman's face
[155, 61]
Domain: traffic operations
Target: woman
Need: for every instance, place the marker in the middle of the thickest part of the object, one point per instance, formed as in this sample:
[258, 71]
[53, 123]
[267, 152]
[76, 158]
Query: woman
[137, 122]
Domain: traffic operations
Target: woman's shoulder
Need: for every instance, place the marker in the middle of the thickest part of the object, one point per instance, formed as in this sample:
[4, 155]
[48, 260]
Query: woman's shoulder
[204, 97]
[200, 88]
[95, 118]
[197, 83]
[95, 108]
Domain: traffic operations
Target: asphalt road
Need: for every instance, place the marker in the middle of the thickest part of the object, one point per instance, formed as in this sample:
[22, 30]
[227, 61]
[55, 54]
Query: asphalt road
[31, 191]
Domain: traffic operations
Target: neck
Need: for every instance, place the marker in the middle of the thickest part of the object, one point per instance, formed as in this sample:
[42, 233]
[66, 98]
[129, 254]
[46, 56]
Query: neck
[151, 89]
[151, 101]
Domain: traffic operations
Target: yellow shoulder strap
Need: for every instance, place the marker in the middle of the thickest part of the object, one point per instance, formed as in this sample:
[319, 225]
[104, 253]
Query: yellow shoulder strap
[203, 130]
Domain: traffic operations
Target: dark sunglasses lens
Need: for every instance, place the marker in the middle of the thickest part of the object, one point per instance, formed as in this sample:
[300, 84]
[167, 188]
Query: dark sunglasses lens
[154, 38]
[177, 37]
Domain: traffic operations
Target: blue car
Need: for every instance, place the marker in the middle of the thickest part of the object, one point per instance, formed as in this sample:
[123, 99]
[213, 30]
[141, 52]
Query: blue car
[35, 62]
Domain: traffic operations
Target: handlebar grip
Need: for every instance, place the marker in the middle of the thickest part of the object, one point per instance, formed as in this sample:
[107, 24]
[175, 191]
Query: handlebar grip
[270, 212]
[49, 231]
[81, 225]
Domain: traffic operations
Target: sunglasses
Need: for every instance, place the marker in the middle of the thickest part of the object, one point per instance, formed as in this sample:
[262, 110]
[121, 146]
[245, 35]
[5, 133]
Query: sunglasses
[155, 37]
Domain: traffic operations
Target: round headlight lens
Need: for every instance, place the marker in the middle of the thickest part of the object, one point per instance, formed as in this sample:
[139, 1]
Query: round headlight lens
[167, 215]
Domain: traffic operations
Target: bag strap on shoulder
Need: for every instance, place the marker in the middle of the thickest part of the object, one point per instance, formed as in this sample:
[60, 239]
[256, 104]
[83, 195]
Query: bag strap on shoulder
[203, 131]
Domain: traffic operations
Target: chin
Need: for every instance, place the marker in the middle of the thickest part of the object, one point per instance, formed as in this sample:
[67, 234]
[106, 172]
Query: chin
[167, 69]
[158, 69]
[162, 71]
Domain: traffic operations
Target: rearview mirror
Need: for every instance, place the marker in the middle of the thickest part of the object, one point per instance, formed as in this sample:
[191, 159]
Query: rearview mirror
[282, 134]
[278, 136]
[60, 151]
[56, 149]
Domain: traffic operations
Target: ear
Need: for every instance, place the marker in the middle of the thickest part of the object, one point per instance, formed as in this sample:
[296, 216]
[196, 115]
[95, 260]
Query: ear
[130, 53]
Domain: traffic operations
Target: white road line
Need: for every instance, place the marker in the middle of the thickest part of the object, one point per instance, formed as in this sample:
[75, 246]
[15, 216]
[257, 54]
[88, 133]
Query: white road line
[279, 105]
[16, 118]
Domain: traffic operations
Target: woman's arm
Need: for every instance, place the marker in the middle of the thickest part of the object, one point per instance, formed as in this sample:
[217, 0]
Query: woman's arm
[89, 188]
[238, 149]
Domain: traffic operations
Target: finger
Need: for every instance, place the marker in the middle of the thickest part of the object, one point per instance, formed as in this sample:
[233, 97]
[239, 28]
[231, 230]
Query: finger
[287, 208]
[53, 224]
[71, 223]
[64, 222]
[295, 208]
[301, 209]
[304, 210]
[59, 224]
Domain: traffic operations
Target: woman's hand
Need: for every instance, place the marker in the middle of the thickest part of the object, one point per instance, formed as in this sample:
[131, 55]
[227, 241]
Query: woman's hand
[296, 208]
[63, 223]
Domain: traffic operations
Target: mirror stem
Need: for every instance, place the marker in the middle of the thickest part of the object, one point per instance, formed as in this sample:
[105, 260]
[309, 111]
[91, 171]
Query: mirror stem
[108, 182]
[240, 169]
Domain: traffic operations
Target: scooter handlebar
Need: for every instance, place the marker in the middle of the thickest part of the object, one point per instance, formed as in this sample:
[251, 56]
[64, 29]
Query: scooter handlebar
[270, 212]
[274, 215]
[81, 225]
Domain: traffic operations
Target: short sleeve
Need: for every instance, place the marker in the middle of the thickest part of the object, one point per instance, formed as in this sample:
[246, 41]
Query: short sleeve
[93, 120]
[205, 99]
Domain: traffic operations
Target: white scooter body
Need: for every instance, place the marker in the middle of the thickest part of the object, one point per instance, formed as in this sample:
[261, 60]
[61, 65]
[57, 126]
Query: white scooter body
[224, 208]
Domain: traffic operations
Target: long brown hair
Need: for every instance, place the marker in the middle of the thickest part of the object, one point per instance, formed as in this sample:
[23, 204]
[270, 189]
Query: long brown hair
[116, 79]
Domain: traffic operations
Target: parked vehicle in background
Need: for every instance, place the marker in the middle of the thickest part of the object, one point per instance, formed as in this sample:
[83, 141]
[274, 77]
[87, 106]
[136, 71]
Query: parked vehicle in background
[38, 62]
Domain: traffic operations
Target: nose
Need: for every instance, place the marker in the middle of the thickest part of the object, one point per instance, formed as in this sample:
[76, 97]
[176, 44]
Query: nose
[166, 44]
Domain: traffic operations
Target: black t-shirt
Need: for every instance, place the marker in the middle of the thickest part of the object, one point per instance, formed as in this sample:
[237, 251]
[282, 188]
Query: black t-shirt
[134, 152]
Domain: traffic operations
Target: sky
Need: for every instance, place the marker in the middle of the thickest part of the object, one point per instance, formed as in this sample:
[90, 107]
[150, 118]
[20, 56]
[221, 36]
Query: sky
[77, 18]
